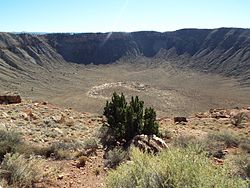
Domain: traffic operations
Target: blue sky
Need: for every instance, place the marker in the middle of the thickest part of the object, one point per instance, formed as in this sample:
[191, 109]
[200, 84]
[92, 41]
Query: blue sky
[121, 15]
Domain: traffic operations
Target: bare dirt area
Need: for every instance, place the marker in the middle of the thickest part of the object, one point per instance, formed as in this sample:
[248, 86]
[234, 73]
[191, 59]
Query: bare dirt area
[170, 90]
[91, 175]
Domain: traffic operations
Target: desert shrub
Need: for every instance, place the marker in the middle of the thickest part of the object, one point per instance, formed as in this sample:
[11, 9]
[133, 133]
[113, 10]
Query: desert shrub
[172, 168]
[82, 161]
[245, 145]
[106, 136]
[61, 154]
[167, 134]
[57, 150]
[228, 138]
[60, 150]
[184, 141]
[90, 143]
[115, 157]
[238, 118]
[9, 142]
[187, 141]
[242, 163]
[10, 136]
[30, 149]
[19, 171]
[128, 120]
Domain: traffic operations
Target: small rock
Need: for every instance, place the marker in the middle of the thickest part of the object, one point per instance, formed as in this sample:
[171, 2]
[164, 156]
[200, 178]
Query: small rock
[5, 115]
[58, 130]
[44, 103]
[219, 161]
[60, 176]
[58, 119]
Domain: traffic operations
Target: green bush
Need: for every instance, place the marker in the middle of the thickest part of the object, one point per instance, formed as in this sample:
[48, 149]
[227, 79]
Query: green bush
[150, 125]
[115, 111]
[174, 168]
[126, 121]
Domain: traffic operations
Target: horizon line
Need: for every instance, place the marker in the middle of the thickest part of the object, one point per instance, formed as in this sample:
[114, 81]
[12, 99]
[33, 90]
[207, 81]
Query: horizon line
[97, 32]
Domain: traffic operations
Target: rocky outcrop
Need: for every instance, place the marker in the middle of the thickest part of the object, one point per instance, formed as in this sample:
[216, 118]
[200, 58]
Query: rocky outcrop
[151, 144]
[224, 113]
[10, 99]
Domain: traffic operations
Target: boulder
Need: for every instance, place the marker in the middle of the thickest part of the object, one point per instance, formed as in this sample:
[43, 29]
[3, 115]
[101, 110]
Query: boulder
[180, 119]
[219, 113]
[10, 99]
[151, 144]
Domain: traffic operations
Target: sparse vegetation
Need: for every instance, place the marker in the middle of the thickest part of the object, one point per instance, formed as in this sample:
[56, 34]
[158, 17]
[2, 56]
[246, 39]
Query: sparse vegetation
[228, 138]
[243, 164]
[184, 141]
[237, 119]
[82, 161]
[245, 145]
[9, 142]
[115, 157]
[19, 171]
[167, 134]
[90, 143]
[59, 150]
[187, 141]
[172, 168]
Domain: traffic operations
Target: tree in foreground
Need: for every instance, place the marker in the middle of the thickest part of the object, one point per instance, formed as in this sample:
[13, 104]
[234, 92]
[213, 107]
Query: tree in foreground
[126, 120]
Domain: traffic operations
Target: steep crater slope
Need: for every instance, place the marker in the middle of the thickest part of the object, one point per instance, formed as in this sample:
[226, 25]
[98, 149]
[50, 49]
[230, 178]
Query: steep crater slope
[24, 50]
[225, 50]
[26, 59]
